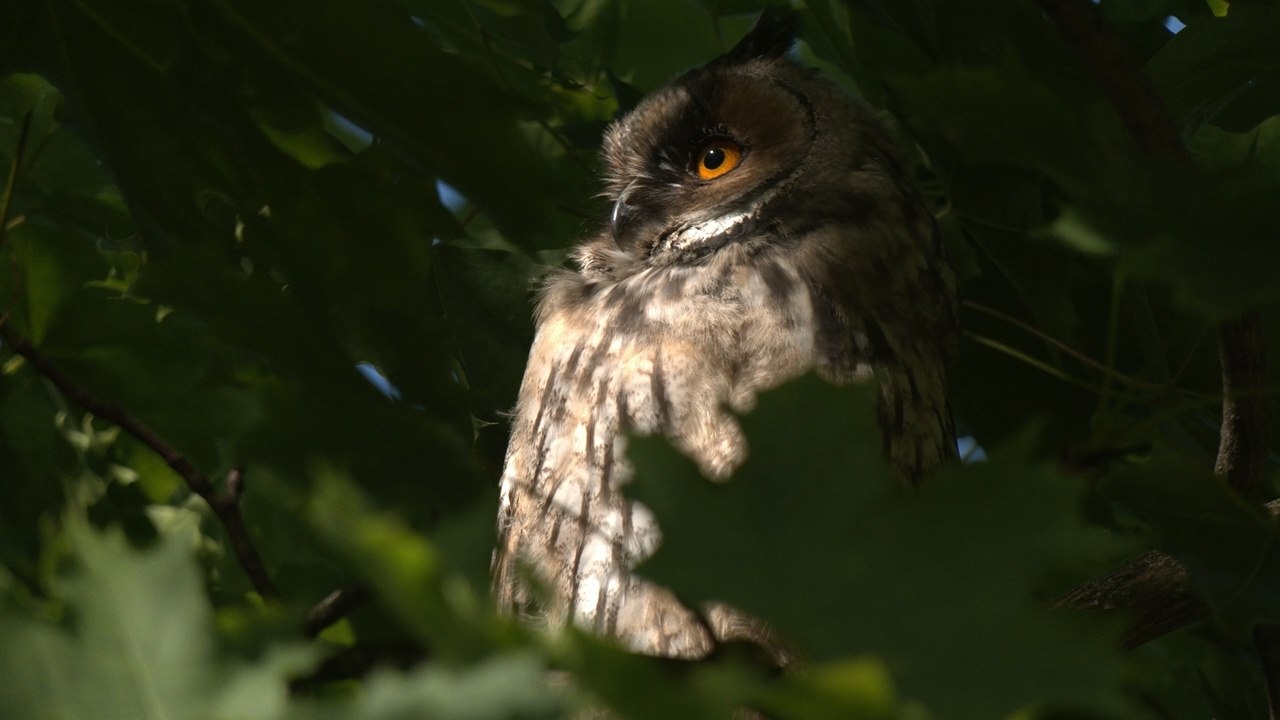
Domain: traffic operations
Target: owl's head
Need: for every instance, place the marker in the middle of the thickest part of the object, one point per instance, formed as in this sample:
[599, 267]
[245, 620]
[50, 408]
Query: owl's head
[742, 149]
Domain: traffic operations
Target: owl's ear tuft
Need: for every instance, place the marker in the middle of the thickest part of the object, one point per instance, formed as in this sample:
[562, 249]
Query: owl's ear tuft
[771, 37]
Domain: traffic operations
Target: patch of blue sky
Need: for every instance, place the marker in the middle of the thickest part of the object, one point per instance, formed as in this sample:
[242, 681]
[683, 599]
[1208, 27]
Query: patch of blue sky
[969, 449]
[378, 380]
[449, 196]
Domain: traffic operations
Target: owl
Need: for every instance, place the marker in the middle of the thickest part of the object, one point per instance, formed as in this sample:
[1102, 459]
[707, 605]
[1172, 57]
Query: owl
[763, 227]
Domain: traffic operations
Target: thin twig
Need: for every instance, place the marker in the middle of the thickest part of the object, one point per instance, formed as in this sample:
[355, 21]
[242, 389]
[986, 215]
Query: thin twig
[334, 607]
[1113, 340]
[1078, 356]
[11, 183]
[1036, 363]
[225, 505]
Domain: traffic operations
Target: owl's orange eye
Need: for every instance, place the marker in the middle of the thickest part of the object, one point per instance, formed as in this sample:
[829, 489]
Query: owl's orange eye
[716, 158]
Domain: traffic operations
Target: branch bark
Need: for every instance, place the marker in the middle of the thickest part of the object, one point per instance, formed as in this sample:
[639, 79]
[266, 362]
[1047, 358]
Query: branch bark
[1246, 411]
[333, 607]
[1154, 589]
[1155, 585]
[225, 505]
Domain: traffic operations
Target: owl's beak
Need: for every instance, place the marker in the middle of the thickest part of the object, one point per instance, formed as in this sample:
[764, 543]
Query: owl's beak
[621, 214]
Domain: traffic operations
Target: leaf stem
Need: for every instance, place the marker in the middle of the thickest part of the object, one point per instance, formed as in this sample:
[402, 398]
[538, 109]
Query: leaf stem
[11, 182]
[1032, 361]
[1113, 336]
[1077, 355]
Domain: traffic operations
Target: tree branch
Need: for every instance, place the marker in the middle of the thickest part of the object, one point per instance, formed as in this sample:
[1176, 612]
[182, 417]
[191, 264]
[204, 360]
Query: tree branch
[225, 505]
[1157, 582]
[1126, 87]
[1154, 589]
[1246, 412]
[335, 606]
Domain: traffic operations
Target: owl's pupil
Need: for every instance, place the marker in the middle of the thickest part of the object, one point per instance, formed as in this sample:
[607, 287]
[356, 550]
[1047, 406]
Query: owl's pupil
[713, 159]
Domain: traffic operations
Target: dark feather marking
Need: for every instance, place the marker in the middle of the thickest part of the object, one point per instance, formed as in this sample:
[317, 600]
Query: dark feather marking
[880, 349]
[883, 420]
[554, 537]
[624, 412]
[673, 284]
[587, 290]
[658, 386]
[595, 360]
[540, 428]
[629, 309]
[590, 448]
[605, 620]
[548, 498]
[778, 282]
[606, 451]
[831, 332]
[584, 528]
[912, 209]
[720, 285]
[948, 426]
[557, 419]
[899, 415]
[628, 528]
[571, 364]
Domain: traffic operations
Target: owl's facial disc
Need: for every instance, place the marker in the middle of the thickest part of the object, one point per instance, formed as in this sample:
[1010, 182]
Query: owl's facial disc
[697, 165]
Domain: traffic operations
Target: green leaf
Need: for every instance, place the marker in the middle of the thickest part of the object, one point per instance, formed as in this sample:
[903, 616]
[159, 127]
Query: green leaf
[139, 643]
[1002, 115]
[841, 689]
[814, 536]
[35, 458]
[508, 686]
[1256, 150]
[1207, 237]
[1191, 675]
[637, 686]
[1211, 61]
[418, 81]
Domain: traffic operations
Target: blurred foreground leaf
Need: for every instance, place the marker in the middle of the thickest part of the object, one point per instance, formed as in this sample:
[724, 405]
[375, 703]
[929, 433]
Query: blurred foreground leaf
[813, 535]
[131, 636]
